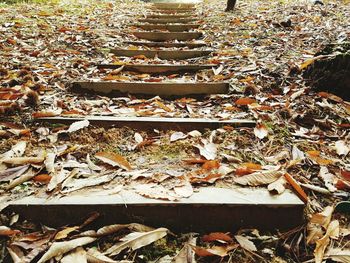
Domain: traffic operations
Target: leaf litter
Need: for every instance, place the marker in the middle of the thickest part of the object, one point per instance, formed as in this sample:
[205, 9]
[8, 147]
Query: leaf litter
[300, 142]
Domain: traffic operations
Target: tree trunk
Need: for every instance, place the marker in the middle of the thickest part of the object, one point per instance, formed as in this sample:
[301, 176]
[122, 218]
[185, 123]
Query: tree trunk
[331, 74]
[230, 5]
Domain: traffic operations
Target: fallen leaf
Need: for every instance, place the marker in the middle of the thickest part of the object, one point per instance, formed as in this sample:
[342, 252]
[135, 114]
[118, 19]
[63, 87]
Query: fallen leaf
[322, 243]
[23, 160]
[110, 229]
[217, 236]
[277, 186]
[65, 232]
[95, 256]
[341, 148]
[296, 187]
[245, 101]
[60, 248]
[42, 178]
[221, 251]
[323, 218]
[6, 231]
[113, 159]
[339, 255]
[185, 190]
[177, 136]
[245, 243]
[78, 255]
[315, 156]
[156, 192]
[78, 125]
[211, 164]
[138, 138]
[186, 254]
[260, 131]
[91, 165]
[247, 168]
[208, 151]
[297, 154]
[137, 240]
[17, 150]
[259, 178]
[21, 179]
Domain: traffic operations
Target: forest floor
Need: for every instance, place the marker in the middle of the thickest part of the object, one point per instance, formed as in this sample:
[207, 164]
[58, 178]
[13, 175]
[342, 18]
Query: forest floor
[261, 48]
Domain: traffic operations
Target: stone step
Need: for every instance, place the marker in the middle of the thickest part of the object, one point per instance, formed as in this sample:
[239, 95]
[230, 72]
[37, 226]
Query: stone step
[177, 11]
[167, 36]
[151, 123]
[174, 5]
[166, 44]
[162, 54]
[208, 209]
[164, 89]
[171, 27]
[167, 20]
[172, 8]
[159, 68]
[168, 16]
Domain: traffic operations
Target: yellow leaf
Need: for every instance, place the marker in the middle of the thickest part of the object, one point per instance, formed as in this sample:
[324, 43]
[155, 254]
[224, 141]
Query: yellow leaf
[306, 63]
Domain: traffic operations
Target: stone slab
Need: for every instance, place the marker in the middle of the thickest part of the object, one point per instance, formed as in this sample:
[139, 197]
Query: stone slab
[167, 36]
[162, 54]
[160, 68]
[167, 20]
[163, 89]
[151, 123]
[208, 209]
[168, 27]
[166, 44]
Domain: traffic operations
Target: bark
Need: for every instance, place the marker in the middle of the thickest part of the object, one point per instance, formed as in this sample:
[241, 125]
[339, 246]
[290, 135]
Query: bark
[230, 5]
[331, 74]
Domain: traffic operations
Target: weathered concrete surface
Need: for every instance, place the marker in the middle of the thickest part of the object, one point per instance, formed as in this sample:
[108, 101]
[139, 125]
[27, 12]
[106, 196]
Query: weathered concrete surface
[209, 209]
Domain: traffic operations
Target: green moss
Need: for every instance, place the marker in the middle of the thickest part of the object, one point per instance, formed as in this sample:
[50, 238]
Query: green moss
[159, 249]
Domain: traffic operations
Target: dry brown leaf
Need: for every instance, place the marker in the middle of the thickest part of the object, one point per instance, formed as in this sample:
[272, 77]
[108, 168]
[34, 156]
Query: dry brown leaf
[21, 179]
[78, 255]
[208, 151]
[278, 186]
[65, 232]
[110, 229]
[137, 240]
[245, 243]
[244, 101]
[113, 159]
[60, 248]
[185, 190]
[186, 254]
[297, 188]
[17, 150]
[260, 131]
[322, 243]
[95, 256]
[221, 251]
[315, 232]
[156, 192]
[259, 178]
[323, 218]
[6, 231]
[217, 236]
[339, 254]
[23, 160]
